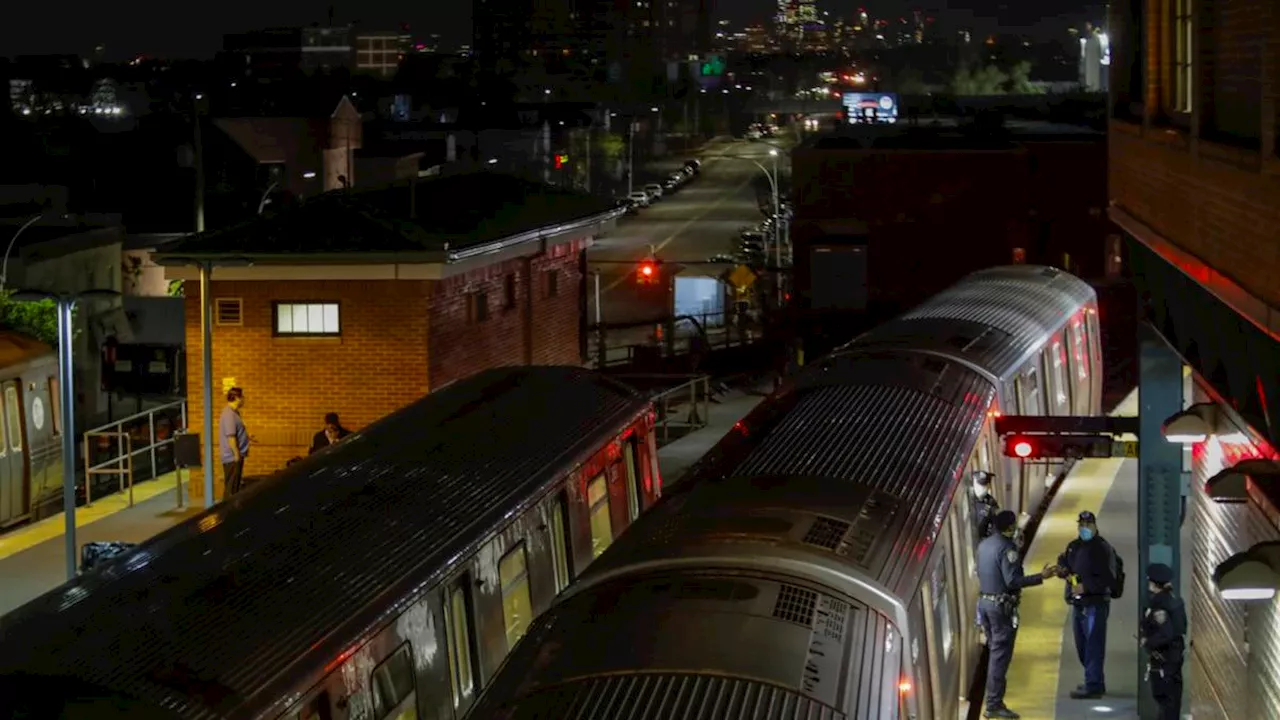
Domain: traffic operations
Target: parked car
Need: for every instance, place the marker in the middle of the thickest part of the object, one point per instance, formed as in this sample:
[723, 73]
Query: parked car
[628, 204]
[694, 165]
[654, 190]
[640, 198]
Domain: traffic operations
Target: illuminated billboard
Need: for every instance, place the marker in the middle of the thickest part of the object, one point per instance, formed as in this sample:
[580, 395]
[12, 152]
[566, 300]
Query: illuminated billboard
[871, 107]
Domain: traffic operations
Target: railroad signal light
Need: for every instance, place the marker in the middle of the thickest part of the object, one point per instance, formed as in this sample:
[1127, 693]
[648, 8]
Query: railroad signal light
[1066, 446]
[1023, 448]
[647, 272]
[561, 160]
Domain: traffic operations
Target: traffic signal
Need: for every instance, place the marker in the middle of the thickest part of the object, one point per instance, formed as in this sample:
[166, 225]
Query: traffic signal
[1035, 447]
[647, 272]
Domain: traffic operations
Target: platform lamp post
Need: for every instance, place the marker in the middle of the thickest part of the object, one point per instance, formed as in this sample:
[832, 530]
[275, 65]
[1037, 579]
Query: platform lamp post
[205, 267]
[777, 216]
[66, 303]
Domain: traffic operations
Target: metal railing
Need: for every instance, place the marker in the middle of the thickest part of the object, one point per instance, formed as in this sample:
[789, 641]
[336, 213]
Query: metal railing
[683, 406]
[626, 343]
[139, 447]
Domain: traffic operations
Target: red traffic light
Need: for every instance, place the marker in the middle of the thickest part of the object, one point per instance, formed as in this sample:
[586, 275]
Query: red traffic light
[646, 270]
[647, 273]
[1022, 448]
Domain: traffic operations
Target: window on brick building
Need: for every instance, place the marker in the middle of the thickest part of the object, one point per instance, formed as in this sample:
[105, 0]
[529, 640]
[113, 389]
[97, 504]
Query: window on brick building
[1184, 51]
[307, 319]
[509, 291]
[477, 307]
[552, 283]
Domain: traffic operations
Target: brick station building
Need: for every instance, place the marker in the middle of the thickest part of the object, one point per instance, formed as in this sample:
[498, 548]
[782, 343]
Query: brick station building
[360, 302]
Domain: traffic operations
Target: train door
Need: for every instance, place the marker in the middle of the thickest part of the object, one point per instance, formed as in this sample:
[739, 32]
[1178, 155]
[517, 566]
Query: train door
[460, 643]
[395, 696]
[1082, 399]
[1028, 387]
[1095, 356]
[13, 466]
[635, 496]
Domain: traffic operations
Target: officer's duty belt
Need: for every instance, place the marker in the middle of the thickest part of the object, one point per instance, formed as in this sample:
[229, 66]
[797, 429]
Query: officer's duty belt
[1002, 597]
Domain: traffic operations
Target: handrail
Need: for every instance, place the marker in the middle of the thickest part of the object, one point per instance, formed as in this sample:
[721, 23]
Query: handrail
[125, 455]
[698, 389]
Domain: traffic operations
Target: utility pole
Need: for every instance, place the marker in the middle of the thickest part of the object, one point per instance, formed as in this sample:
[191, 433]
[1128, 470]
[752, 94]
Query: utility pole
[199, 163]
[631, 142]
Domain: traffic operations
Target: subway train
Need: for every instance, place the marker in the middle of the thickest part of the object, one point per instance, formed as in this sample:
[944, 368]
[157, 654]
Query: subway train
[30, 427]
[819, 562]
[384, 577]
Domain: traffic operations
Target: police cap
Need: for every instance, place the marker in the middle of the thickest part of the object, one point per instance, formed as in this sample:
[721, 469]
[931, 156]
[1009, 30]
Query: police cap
[982, 477]
[1087, 516]
[1160, 573]
[1005, 519]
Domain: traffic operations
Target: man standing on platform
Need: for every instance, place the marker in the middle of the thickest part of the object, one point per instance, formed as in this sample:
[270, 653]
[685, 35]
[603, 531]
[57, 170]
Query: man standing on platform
[985, 505]
[1095, 575]
[235, 442]
[1163, 629]
[1000, 584]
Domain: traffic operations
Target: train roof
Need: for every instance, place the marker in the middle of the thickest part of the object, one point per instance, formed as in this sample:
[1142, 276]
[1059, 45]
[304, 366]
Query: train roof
[994, 318]
[19, 351]
[874, 443]
[204, 618]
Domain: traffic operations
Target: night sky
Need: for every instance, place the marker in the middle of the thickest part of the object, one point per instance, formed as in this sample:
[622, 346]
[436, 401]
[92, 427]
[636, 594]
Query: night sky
[168, 28]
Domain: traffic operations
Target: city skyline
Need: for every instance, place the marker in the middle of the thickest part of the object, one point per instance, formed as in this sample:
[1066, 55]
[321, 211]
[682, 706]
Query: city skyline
[196, 31]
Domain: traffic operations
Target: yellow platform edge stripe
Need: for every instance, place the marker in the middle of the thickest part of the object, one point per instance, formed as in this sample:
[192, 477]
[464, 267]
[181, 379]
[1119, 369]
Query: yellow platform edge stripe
[28, 536]
[1037, 657]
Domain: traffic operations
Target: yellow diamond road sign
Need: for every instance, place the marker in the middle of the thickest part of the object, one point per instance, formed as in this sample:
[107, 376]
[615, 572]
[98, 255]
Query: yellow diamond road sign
[742, 277]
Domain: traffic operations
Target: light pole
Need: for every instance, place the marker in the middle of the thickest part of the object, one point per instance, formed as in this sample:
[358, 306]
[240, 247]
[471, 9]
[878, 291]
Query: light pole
[66, 303]
[631, 163]
[777, 216]
[4, 270]
[262, 204]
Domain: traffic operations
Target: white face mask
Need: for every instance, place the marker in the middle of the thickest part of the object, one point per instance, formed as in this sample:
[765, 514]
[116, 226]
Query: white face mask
[980, 490]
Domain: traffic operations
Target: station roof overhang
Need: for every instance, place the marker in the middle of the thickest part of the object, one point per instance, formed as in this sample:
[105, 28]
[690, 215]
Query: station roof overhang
[1229, 337]
[356, 265]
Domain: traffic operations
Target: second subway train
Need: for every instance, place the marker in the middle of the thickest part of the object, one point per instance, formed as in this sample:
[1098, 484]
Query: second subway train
[819, 563]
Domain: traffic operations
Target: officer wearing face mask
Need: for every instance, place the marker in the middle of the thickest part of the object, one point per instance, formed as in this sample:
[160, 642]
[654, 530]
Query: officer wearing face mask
[985, 505]
[1094, 575]
[1000, 584]
[1164, 627]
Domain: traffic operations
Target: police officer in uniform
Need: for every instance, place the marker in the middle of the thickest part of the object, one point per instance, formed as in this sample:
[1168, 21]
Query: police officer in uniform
[1163, 628]
[985, 505]
[1000, 584]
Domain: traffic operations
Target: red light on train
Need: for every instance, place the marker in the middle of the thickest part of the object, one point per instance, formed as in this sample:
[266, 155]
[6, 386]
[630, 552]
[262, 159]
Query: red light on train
[1023, 449]
[904, 687]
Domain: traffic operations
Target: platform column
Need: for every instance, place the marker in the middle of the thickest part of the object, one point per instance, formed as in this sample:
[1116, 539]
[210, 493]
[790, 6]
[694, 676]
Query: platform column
[1159, 477]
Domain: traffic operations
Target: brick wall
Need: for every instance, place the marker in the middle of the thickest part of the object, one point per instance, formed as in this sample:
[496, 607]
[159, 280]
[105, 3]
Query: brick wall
[377, 365]
[463, 344]
[1214, 204]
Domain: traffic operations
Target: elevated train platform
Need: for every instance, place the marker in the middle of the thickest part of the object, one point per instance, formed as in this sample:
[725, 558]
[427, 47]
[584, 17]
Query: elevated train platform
[1045, 667]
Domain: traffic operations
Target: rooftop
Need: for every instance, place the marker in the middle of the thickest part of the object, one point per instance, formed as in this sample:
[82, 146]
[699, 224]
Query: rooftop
[434, 215]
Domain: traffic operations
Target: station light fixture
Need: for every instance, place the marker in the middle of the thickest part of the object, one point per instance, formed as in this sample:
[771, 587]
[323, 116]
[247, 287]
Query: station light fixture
[1231, 484]
[1193, 425]
[1251, 575]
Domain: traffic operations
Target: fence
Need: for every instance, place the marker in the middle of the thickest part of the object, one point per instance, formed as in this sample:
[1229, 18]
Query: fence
[626, 343]
[681, 402]
[132, 449]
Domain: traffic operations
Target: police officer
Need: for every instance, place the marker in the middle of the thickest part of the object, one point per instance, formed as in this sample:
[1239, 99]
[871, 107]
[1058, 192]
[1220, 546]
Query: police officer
[1000, 584]
[985, 505]
[1092, 569]
[1163, 628]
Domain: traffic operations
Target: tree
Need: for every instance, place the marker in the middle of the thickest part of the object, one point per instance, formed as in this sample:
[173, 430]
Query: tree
[36, 319]
[910, 81]
[611, 145]
[1020, 80]
[985, 80]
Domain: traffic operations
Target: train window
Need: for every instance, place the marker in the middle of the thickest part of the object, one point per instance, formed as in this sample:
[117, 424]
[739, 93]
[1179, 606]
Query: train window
[317, 708]
[55, 404]
[601, 525]
[942, 606]
[560, 543]
[1030, 387]
[1060, 374]
[458, 633]
[13, 417]
[633, 481]
[517, 604]
[393, 695]
[4, 443]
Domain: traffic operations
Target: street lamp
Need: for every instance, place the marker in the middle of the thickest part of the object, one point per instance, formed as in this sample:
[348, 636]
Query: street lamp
[66, 303]
[777, 213]
[4, 270]
[262, 204]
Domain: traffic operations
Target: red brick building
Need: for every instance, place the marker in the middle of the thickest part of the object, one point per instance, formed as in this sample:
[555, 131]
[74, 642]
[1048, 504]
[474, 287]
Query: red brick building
[360, 302]
[1195, 187]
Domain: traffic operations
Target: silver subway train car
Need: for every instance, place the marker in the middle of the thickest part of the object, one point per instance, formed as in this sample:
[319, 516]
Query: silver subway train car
[30, 428]
[385, 577]
[819, 563]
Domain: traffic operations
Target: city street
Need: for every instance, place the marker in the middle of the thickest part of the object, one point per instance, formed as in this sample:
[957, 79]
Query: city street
[700, 220]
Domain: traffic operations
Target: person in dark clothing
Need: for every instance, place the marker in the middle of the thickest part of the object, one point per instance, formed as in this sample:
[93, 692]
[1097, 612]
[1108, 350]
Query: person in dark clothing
[1164, 627]
[329, 435]
[1092, 568]
[985, 504]
[1000, 584]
